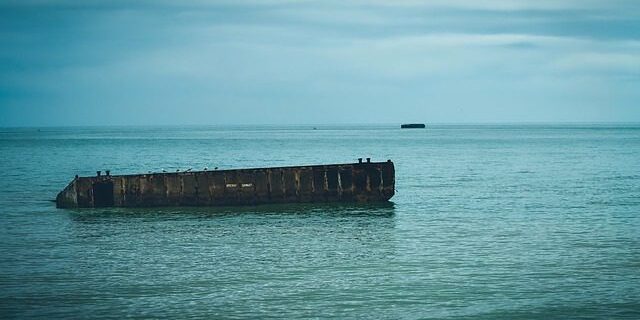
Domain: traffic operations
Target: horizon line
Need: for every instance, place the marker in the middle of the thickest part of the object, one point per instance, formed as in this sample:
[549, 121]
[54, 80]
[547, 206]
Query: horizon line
[511, 123]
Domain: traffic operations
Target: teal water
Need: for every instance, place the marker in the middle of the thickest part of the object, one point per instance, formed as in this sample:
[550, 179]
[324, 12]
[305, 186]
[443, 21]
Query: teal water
[488, 222]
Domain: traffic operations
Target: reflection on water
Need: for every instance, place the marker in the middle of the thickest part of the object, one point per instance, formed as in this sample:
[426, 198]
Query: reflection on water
[222, 257]
[381, 209]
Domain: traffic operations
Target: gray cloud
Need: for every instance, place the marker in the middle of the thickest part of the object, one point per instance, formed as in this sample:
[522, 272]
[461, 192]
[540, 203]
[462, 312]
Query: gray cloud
[149, 62]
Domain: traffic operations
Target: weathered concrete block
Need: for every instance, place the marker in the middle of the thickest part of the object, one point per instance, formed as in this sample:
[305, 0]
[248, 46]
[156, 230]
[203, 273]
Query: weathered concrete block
[363, 182]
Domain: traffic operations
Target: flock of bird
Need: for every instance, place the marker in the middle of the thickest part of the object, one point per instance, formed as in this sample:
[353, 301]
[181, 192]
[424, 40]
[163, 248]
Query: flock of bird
[188, 170]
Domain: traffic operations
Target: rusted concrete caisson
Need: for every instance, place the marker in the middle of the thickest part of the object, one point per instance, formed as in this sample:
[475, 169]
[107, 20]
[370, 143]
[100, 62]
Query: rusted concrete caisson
[353, 182]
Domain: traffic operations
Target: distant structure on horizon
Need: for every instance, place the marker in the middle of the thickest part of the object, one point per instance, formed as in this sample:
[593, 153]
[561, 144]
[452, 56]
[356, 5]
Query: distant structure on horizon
[413, 126]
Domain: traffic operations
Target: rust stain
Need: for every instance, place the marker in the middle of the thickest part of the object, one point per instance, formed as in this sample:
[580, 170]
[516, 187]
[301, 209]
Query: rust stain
[359, 182]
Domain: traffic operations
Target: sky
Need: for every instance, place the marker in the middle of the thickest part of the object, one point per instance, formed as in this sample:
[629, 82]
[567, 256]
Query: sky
[229, 62]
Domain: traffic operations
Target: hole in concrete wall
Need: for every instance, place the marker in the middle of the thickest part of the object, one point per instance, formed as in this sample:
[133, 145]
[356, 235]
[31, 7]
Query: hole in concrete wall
[103, 194]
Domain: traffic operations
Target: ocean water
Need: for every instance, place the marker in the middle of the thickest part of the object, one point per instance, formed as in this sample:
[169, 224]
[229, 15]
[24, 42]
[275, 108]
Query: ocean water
[488, 222]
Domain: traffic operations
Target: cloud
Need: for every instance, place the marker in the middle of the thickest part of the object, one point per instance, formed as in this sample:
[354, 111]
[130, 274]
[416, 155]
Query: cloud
[321, 59]
[600, 63]
[508, 5]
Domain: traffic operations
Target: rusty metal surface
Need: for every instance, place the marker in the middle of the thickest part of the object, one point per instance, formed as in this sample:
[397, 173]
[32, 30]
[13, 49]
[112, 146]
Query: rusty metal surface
[353, 182]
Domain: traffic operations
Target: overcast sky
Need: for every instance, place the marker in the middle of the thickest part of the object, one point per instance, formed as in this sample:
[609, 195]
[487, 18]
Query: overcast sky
[318, 62]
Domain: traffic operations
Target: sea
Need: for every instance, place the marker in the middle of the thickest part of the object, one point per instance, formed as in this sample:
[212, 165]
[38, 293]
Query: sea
[537, 221]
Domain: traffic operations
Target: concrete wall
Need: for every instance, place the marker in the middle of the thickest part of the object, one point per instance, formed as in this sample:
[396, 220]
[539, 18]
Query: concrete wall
[362, 182]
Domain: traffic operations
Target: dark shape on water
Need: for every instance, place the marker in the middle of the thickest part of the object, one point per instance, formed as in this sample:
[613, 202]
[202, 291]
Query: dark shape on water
[103, 193]
[352, 182]
[413, 126]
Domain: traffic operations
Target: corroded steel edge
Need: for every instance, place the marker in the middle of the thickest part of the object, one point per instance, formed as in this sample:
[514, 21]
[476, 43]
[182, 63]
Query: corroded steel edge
[354, 182]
